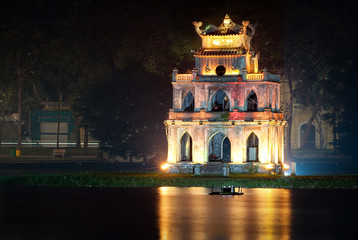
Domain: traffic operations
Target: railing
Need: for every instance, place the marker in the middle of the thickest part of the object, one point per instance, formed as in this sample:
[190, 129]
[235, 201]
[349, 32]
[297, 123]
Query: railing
[184, 77]
[217, 116]
[254, 76]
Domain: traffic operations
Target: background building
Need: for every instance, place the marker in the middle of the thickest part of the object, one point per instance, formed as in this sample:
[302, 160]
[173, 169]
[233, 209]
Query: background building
[320, 136]
[39, 128]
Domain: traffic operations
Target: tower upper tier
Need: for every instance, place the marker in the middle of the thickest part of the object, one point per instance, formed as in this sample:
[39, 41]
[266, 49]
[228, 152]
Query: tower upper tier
[226, 55]
[227, 36]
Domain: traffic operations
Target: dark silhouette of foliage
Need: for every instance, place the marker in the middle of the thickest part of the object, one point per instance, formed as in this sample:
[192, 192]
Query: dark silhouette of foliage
[126, 112]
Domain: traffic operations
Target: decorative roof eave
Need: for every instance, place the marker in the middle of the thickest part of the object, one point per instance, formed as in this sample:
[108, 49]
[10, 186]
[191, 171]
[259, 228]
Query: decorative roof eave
[228, 27]
[212, 52]
[220, 36]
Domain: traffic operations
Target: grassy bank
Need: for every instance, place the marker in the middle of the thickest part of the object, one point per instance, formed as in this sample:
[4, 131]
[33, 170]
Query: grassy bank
[161, 179]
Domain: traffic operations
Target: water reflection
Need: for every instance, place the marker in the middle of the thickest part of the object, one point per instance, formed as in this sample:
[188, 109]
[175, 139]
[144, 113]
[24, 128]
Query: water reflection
[190, 213]
[175, 213]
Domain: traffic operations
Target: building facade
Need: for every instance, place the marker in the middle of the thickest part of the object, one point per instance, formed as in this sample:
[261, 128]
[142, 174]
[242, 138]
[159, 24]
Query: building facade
[44, 124]
[39, 128]
[226, 114]
[320, 136]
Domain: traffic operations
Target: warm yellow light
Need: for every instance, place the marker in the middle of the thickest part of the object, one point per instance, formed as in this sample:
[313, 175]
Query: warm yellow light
[227, 21]
[164, 166]
[269, 166]
[225, 42]
[216, 42]
[235, 71]
[285, 166]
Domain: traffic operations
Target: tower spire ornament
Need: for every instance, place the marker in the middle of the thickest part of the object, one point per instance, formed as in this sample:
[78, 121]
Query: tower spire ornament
[226, 115]
[226, 25]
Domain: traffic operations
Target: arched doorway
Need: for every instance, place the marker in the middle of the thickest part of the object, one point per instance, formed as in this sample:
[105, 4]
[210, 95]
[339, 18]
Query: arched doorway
[220, 102]
[219, 148]
[252, 148]
[252, 102]
[311, 139]
[188, 104]
[186, 147]
[226, 150]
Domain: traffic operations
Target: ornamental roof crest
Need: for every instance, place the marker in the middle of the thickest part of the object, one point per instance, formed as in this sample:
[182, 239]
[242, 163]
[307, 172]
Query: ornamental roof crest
[226, 28]
[244, 32]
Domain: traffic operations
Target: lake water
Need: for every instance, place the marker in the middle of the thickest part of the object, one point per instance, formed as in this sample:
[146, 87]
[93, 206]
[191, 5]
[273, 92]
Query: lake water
[175, 213]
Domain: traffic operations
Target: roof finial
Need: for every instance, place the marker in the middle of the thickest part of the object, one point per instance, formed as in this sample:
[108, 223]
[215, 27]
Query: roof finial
[227, 21]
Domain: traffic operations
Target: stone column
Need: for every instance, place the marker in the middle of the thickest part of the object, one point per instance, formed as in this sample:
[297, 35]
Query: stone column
[276, 141]
[177, 97]
[244, 74]
[194, 73]
[278, 100]
[174, 75]
[270, 144]
[265, 77]
[264, 145]
[198, 144]
[248, 62]
[200, 97]
[236, 145]
[172, 143]
[281, 134]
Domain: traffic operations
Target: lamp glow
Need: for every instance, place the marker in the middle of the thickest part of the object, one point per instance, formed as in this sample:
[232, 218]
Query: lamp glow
[227, 21]
[269, 166]
[164, 166]
[285, 166]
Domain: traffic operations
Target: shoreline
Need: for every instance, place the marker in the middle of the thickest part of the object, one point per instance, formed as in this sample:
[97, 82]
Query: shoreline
[181, 180]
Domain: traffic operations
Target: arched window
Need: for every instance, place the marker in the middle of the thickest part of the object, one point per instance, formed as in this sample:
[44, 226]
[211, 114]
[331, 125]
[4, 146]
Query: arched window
[226, 153]
[220, 102]
[252, 148]
[311, 139]
[219, 148]
[252, 102]
[186, 147]
[188, 104]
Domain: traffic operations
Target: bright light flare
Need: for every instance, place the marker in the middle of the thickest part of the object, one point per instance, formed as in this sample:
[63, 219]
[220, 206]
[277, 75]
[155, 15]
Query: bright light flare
[164, 166]
[270, 166]
[285, 166]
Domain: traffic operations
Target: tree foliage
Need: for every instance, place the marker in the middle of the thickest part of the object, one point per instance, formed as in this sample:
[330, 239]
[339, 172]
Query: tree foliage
[125, 111]
[317, 40]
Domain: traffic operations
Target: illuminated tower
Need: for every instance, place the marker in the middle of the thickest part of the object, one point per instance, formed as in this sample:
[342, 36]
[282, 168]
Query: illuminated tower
[226, 113]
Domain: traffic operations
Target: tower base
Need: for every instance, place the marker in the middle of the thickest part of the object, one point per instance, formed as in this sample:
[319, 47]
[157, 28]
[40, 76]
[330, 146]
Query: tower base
[225, 168]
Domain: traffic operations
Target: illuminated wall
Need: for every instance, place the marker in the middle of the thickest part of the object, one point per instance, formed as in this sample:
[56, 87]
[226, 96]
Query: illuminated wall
[269, 134]
[208, 60]
[237, 92]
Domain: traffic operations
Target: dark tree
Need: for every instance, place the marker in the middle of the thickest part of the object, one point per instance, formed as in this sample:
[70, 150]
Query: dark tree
[126, 111]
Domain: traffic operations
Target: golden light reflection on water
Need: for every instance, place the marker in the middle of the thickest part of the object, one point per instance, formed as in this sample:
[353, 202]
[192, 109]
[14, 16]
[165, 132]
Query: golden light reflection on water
[190, 213]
